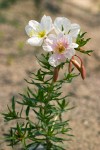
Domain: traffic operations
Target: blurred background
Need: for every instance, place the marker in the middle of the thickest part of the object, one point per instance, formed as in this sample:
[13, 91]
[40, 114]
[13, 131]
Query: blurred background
[17, 59]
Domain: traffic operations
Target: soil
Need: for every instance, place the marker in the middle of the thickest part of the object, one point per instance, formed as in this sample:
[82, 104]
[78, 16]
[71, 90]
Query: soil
[17, 59]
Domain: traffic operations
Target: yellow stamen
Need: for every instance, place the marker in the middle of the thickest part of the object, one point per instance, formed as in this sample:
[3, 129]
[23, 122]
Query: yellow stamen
[61, 48]
[41, 34]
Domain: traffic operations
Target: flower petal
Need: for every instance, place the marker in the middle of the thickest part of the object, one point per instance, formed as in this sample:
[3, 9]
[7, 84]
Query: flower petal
[34, 24]
[62, 24]
[46, 23]
[35, 41]
[69, 39]
[29, 30]
[54, 61]
[51, 38]
[69, 53]
[49, 43]
[47, 48]
[72, 45]
[74, 31]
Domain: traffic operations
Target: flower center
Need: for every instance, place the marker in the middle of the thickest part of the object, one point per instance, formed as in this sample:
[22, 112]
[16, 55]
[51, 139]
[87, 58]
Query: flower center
[41, 34]
[60, 48]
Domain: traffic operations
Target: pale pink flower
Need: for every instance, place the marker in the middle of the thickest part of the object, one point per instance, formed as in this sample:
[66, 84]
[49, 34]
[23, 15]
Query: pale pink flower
[61, 46]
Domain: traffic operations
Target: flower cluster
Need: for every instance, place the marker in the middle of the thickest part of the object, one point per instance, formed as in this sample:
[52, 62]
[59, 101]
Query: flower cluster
[62, 43]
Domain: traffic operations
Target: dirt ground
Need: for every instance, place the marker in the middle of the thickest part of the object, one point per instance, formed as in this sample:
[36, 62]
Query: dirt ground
[17, 59]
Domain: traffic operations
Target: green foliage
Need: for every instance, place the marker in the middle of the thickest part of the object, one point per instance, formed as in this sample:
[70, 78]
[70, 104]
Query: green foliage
[12, 114]
[81, 41]
[47, 104]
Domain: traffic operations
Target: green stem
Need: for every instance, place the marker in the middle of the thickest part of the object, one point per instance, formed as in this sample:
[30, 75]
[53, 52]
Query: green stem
[24, 143]
[55, 76]
[48, 143]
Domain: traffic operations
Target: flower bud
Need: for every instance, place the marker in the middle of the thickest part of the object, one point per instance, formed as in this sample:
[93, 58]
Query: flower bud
[76, 64]
[55, 74]
[70, 67]
[83, 72]
[80, 67]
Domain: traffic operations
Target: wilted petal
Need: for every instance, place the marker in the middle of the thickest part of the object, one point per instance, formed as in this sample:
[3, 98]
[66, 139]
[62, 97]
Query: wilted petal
[35, 41]
[46, 23]
[62, 24]
[74, 30]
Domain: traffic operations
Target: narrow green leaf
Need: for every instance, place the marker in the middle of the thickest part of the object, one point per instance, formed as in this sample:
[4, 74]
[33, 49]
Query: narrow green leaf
[27, 111]
[13, 104]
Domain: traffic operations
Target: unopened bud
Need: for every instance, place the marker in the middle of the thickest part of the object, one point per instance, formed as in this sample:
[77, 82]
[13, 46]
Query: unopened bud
[76, 64]
[83, 72]
[55, 74]
[70, 67]
[80, 67]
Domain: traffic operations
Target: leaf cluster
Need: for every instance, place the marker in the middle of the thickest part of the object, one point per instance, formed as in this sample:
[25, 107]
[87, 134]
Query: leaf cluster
[47, 104]
[82, 41]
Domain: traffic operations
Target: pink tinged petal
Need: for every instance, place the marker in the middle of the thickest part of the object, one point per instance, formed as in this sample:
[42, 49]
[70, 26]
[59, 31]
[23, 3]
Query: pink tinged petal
[62, 24]
[69, 39]
[61, 57]
[46, 23]
[60, 37]
[69, 53]
[49, 43]
[34, 24]
[35, 41]
[74, 30]
[51, 40]
[54, 61]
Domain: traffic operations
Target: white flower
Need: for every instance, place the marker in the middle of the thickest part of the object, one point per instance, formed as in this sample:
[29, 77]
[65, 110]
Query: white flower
[38, 31]
[61, 46]
[62, 24]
